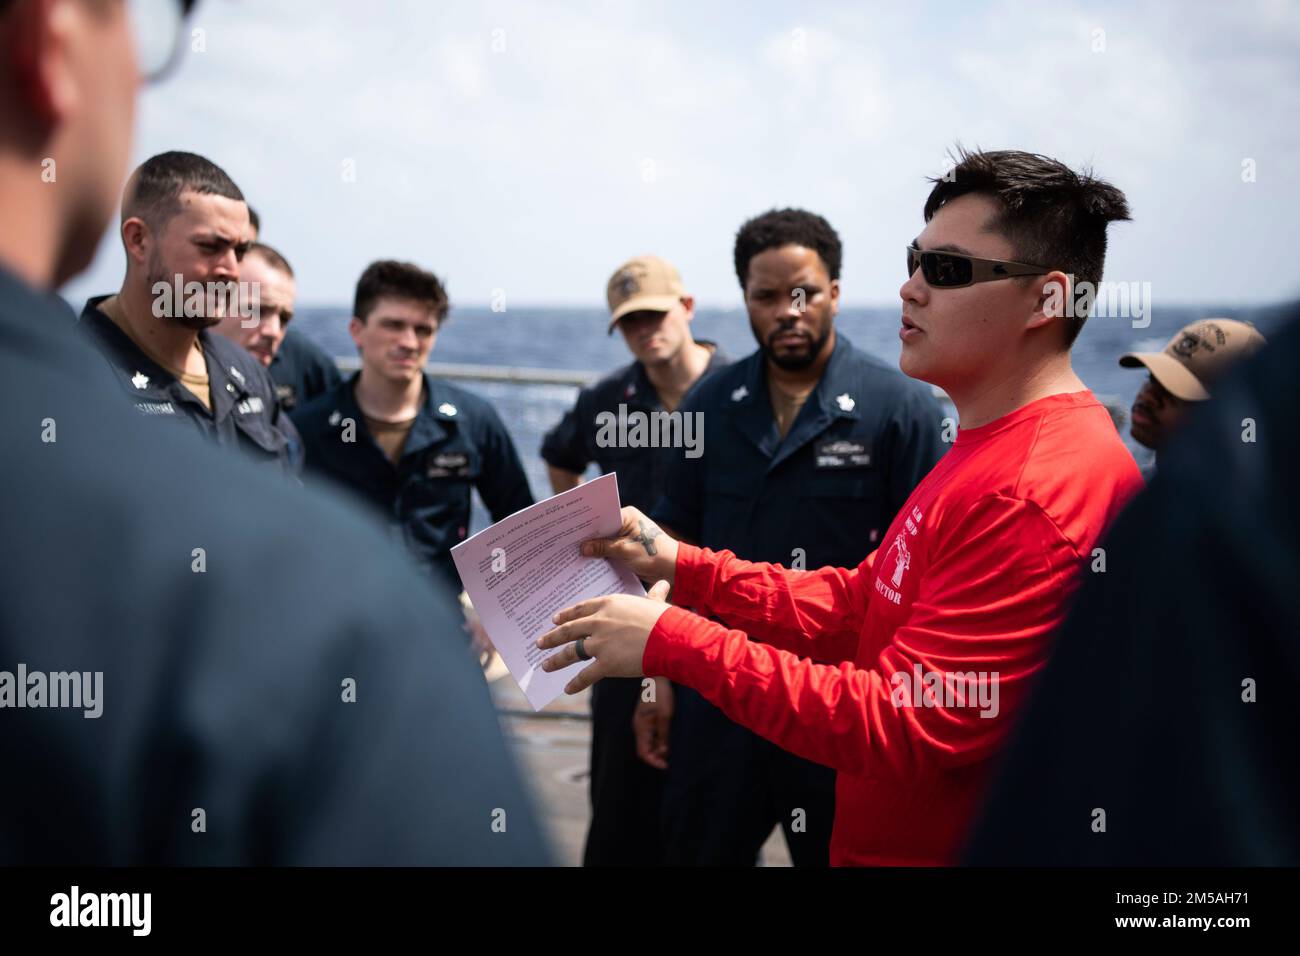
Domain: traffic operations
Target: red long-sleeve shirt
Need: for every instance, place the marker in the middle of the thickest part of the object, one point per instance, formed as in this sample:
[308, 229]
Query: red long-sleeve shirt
[972, 577]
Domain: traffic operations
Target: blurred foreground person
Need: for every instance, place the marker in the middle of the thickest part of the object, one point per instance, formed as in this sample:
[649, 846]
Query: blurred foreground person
[159, 703]
[1163, 731]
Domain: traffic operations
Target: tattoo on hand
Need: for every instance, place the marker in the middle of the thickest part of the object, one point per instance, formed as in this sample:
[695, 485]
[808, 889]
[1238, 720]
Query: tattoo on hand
[647, 537]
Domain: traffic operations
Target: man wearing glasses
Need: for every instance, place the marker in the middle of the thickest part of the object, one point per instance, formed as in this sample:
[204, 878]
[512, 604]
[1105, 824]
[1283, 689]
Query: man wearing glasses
[930, 643]
[226, 733]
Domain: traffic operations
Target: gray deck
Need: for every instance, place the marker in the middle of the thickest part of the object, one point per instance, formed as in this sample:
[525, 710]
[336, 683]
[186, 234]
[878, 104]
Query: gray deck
[553, 749]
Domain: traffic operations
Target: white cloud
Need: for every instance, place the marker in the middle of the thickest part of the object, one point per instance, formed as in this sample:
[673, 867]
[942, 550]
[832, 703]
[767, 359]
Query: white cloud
[524, 168]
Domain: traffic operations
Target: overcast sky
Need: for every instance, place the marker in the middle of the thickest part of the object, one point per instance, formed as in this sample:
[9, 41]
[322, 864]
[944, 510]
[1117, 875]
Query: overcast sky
[532, 147]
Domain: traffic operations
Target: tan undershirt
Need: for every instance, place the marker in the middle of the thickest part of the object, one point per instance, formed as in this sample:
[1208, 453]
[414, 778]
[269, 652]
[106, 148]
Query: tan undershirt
[390, 436]
[199, 385]
[786, 404]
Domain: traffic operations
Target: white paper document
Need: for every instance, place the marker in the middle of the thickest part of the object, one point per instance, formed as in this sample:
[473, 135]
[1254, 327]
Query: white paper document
[525, 568]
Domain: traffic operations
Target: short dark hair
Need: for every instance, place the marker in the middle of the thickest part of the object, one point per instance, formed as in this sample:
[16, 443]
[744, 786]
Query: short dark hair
[272, 257]
[254, 220]
[787, 227]
[388, 278]
[154, 190]
[1052, 216]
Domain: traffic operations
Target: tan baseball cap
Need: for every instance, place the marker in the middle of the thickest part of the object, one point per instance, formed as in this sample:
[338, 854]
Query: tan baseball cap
[645, 283]
[1197, 355]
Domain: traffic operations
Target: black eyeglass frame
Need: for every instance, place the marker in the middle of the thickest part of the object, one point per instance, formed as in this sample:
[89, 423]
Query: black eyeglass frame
[174, 58]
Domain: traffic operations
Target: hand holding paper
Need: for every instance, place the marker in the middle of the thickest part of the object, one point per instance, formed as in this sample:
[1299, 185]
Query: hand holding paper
[641, 545]
[523, 570]
[614, 629]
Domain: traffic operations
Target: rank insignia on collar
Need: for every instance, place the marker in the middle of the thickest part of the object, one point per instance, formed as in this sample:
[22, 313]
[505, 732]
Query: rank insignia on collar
[140, 380]
[845, 402]
[447, 408]
[739, 393]
[239, 376]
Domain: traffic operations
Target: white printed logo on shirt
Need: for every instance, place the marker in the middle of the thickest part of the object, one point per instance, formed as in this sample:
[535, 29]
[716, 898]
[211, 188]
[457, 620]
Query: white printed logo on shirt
[902, 559]
[898, 558]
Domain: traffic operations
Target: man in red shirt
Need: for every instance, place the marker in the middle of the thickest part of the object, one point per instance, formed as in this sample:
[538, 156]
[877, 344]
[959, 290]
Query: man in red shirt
[935, 636]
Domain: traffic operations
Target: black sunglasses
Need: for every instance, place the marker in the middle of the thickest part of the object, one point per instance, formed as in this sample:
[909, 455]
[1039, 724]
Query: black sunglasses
[949, 270]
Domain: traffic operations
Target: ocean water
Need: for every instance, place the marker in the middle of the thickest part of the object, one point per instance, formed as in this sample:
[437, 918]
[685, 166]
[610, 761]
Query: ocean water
[575, 339]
